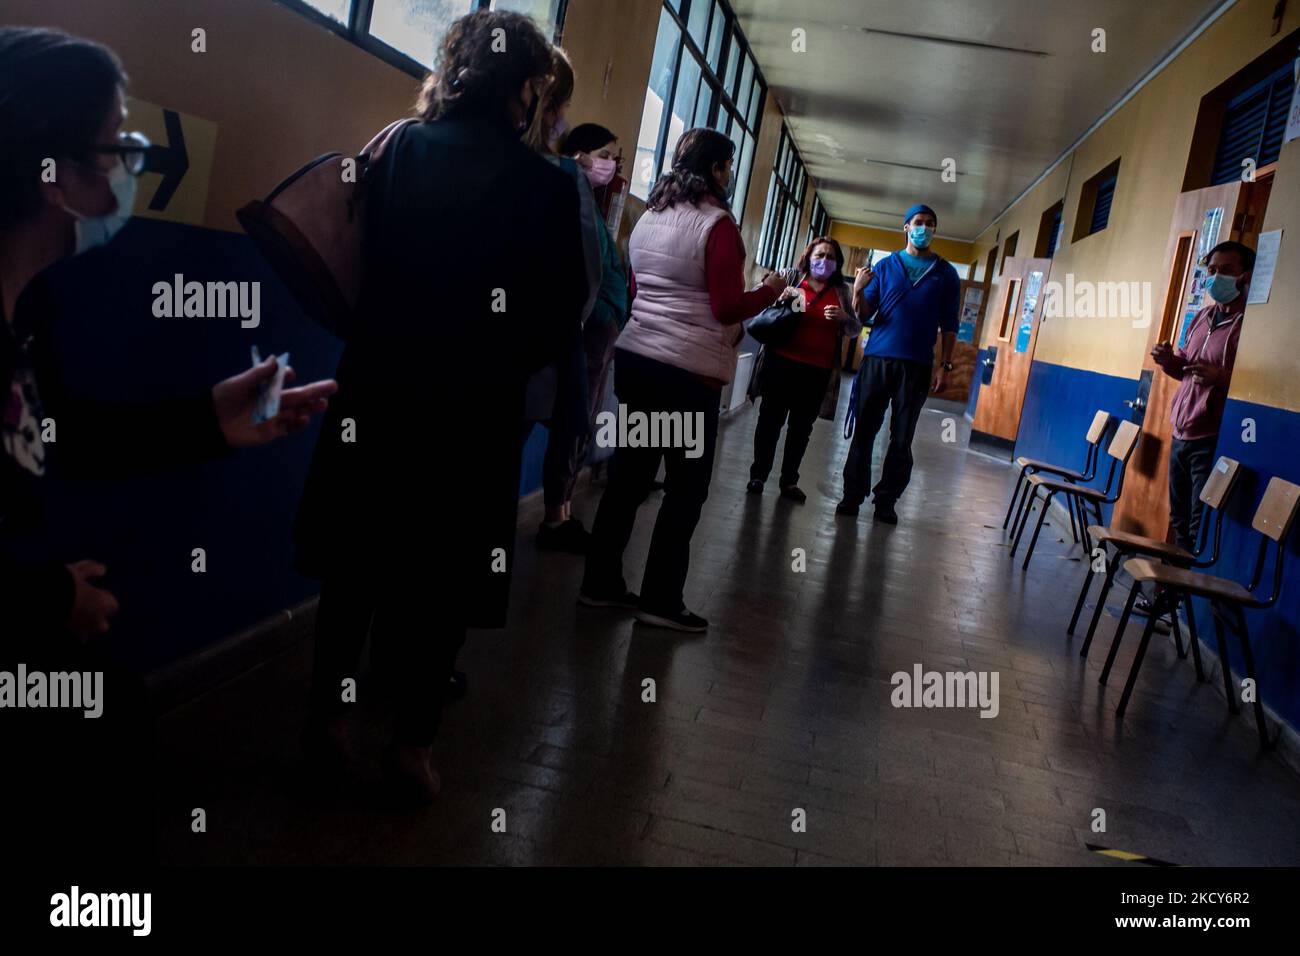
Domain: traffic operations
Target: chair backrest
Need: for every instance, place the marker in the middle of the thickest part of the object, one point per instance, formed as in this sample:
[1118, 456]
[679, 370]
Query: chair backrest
[1097, 430]
[1218, 487]
[1126, 436]
[1277, 509]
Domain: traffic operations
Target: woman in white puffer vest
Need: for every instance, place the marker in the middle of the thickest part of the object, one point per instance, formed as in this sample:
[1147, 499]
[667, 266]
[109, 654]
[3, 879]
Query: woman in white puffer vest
[671, 363]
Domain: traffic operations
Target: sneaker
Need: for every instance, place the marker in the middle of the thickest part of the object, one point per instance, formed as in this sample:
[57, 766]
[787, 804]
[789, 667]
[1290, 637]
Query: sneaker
[682, 620]
[793, 493]
[626, 599]
[570, 536]
[885, 512]
[755, 487]
[846, 508]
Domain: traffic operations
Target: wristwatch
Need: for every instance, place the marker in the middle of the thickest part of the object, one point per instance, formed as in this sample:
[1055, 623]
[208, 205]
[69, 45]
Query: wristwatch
[946, 366]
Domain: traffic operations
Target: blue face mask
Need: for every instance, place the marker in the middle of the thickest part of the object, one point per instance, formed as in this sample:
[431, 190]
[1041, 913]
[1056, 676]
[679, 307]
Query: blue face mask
[920, 236]
[1222, 288]
[95, 231]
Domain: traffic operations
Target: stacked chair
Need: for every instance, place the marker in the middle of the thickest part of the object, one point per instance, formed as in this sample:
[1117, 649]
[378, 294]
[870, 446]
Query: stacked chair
[1033, 466]
[1081, 496]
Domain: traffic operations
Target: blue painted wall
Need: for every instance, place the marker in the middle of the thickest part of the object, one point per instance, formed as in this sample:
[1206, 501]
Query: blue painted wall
[1059, 405]
[1275, 633]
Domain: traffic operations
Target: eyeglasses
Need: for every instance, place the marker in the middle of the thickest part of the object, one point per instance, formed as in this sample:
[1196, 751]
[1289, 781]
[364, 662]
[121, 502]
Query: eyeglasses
[138, 154]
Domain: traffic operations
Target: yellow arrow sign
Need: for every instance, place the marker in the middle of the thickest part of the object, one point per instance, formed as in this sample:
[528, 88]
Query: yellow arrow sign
[176, 186]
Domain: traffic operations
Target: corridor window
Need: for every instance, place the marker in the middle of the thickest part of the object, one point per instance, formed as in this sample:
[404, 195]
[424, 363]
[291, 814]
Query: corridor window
[785, 196]
[702, 74]
[1095, 201]
[819, 224]
[1009, 250]
[415, 27]
[1049, 231]
[408, 33]
[1253, 126]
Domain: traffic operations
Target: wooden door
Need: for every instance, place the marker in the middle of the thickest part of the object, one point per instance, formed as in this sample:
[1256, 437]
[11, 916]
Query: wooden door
[1202, 219]
[973, 302]
[1016, 317]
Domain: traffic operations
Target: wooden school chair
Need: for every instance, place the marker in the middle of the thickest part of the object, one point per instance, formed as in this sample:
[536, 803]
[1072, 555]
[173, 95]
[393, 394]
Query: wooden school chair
[1120, 451]
[1215, 497]
[1228, 599]
[1032, 466]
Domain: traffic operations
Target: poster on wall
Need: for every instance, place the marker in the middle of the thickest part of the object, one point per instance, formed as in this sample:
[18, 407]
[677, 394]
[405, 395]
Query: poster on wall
[1261, 283]
[1033, 285]
[970, 314]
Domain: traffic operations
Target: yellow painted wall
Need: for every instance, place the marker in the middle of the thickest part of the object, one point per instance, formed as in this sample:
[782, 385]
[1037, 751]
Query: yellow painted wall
[281, 89]
[623, 45]
[871, 237]
[1152, 136]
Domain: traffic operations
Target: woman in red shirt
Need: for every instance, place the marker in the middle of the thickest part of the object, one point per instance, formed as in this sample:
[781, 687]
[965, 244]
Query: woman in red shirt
[795, 376]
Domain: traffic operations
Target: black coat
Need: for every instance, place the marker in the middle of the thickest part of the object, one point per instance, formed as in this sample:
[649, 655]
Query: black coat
[461, 217]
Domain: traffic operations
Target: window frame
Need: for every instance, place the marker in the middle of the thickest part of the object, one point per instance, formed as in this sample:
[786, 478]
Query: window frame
[819, 221]
[723, 96]
[787, 192]
[1085, 217]
[357, 30]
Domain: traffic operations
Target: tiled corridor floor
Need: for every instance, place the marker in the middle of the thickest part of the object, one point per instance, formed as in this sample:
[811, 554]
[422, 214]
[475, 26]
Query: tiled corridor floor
[783, 704]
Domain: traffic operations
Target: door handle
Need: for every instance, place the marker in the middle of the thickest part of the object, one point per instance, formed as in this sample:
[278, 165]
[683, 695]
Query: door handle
[1137, 404]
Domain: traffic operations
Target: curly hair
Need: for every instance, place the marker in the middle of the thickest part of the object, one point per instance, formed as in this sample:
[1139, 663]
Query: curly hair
[557, 91]
[55, 94]
[484, 59]
[691, 178]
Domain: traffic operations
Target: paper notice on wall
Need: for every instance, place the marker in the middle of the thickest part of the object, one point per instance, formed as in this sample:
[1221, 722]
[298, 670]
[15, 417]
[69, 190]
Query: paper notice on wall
[1293, 117]
[1261, 282]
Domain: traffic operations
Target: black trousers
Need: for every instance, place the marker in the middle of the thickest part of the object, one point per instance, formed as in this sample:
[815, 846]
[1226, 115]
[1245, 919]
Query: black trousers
[412, 651]
[648, 387]
[559, 463]
[791, 391]
[901, 387]
[1190, 463]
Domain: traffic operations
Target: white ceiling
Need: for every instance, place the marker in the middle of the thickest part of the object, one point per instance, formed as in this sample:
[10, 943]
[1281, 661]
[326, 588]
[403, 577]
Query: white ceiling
[1003, 116]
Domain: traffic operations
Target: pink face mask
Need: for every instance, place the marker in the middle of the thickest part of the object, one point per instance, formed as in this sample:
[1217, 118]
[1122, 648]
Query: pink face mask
[602, 171]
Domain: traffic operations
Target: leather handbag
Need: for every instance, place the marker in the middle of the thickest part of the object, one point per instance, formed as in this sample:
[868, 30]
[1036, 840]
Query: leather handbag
[776, 324]
[310, 230]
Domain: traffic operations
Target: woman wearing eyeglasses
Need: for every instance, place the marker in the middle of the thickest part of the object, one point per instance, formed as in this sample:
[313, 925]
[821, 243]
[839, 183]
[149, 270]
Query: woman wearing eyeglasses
[67, 185]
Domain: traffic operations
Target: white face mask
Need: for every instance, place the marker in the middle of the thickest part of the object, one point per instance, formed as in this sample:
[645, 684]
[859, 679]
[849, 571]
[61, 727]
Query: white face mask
[95, 231]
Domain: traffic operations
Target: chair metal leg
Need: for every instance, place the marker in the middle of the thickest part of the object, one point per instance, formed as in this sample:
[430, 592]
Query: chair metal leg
[1047, 503]
[1177, 630]
[1185, 600]
[1074, 521]
[1217, 613]
[1244, 634]
[1014, 493]
[1022, 518]
[1119, 631]
[1086, 538]
[1111, 570]
[1026, 501]
[1137, 660]
[1083, 596]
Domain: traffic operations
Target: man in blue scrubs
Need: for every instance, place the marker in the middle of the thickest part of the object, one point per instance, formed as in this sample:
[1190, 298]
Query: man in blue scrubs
[914, 296]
